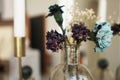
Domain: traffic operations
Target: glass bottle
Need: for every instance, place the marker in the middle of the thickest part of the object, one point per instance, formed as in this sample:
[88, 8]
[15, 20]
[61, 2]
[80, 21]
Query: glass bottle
[70, 68]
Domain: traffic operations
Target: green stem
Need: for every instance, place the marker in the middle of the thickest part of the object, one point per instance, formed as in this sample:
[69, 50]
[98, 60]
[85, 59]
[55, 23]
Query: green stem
[65, 47]
[63, 31]
[65, 43]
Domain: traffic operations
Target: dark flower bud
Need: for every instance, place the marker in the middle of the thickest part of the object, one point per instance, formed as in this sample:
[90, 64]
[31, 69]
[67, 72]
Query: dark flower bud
[56, 11]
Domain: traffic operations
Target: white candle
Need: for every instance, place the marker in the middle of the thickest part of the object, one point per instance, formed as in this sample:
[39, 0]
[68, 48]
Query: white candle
[102, 9]
[19, 18]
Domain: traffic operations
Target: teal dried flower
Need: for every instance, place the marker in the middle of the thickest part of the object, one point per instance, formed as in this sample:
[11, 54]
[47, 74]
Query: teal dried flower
[103, 36]
[56, 11]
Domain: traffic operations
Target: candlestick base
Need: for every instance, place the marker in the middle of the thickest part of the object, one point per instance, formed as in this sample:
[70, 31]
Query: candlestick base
[19, 47]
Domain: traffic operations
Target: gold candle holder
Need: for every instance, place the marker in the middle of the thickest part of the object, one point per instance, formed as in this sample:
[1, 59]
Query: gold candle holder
[19, 46]
[19, 52]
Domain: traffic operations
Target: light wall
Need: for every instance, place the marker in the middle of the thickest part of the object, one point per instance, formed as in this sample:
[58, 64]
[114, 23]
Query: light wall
[37, 7]
[113, 53]
[7, 9]
[40, 7]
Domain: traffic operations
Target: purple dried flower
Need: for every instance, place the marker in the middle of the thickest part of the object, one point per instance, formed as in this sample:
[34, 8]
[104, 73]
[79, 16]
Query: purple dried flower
[116, 28]
[54, 40]
[80, 32]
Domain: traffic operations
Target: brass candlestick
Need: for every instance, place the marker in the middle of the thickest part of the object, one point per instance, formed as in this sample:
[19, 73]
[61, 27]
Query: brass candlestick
[19, 50]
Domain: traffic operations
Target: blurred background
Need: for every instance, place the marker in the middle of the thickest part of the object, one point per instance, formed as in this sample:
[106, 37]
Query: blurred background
[40, 60]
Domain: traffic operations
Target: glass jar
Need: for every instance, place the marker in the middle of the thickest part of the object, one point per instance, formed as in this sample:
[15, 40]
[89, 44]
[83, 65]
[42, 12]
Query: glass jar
[70, 68]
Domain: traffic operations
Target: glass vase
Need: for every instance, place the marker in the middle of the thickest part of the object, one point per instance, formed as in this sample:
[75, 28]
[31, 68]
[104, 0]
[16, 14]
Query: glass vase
[70, 68]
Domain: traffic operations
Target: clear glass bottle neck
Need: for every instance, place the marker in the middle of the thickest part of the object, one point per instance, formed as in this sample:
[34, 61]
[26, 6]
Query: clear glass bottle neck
[71, 55]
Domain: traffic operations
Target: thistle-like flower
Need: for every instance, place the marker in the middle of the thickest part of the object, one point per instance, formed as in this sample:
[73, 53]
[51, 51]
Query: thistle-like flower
[56, 11]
